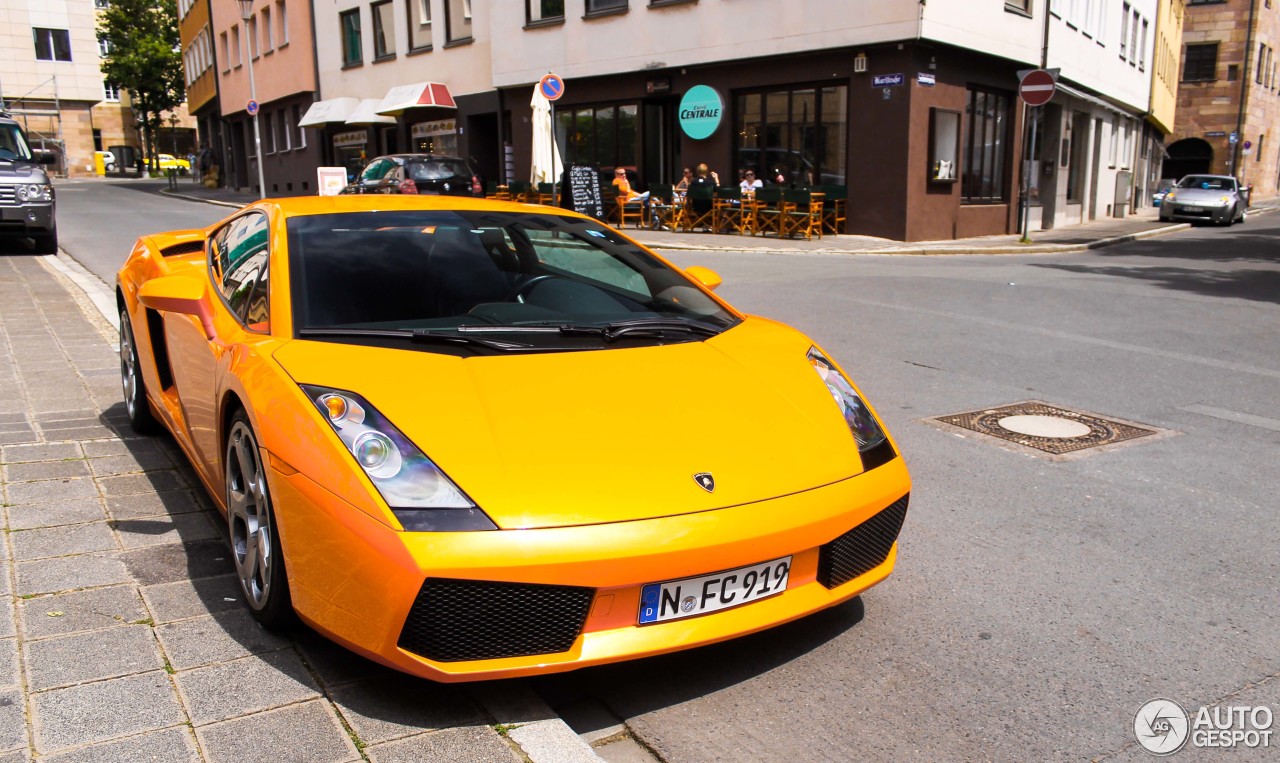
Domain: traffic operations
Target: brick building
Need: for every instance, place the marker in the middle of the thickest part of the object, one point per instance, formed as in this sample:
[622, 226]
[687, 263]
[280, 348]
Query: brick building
[1230, 88]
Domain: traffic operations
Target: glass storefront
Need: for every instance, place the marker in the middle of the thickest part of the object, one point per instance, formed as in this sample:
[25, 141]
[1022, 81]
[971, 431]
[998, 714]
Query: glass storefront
[602, 136]
[794, 136]
[350, 151]
[437, 137]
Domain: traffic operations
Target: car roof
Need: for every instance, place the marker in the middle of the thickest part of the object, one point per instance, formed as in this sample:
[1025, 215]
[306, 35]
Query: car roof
[297, 206]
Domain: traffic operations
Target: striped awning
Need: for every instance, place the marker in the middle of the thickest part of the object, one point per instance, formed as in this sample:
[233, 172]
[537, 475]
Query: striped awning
[418, 95]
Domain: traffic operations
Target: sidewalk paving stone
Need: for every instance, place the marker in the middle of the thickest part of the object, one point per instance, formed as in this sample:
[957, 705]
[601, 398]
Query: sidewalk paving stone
[152, 531]
[60, 541]
[9, 662]
[46, 470]
[49, 491]
[143, 484]
[13, 726]
[102, 710]
[66, 660]
[145, 461]
[390, 707]
[8, 623]
[304, 733]
[179, 561]
[92, 610]
[174, 745]
[32, 516]
[244, 686]
[216, 638]
[334, 665]
[21, 454]
[155, 504]
[70, 572]
[184, 599]
[475, 744]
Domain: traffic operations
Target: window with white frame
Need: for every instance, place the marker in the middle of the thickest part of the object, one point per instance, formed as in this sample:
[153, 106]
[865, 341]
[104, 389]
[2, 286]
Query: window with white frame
[226, 54]
[285, 141]
[251, 33]
[419, 17]
[104, 46]
[269, 34]
[1133, 38]
[235, 44]
[300, 134]
[52, 44]
[1142, 51]
[1124, 31]
[384, 30]
[110, 91]
[282, 22]
[457, 20]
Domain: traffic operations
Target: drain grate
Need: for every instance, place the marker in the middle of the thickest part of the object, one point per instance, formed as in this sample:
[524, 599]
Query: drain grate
[1048, 428]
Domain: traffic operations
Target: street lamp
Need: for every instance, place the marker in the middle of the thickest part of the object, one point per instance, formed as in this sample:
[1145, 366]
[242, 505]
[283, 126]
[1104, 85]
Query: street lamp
[246, 13]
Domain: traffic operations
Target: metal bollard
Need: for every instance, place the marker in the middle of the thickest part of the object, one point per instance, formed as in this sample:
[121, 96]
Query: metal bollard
[172, 174]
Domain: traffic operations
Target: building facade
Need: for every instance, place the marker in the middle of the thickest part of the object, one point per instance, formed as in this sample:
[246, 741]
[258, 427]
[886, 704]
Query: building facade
[1229, 94]
[195, 30]
[278, 43]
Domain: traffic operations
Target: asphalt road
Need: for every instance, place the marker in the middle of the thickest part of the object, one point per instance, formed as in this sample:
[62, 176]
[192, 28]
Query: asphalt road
[1037, 604]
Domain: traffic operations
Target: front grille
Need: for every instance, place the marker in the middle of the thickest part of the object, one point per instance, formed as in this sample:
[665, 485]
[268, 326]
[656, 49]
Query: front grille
[863, 548]
[453, 620]
[8, 195]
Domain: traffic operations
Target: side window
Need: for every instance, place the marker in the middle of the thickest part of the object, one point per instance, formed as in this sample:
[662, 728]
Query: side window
[377, 170]
[239, 263]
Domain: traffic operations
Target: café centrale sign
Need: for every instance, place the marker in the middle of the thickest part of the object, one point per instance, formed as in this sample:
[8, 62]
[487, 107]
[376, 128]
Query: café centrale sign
[701, 110]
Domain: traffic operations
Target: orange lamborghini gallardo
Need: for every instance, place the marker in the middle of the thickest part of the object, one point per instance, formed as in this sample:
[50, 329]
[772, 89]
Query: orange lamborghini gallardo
[474, 439]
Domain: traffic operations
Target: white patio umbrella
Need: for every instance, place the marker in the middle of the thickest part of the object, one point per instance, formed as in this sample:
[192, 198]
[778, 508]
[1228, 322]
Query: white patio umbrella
[545, 166]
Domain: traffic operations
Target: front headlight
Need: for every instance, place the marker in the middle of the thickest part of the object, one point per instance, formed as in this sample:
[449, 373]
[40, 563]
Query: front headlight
[866, 430]
[421, 496]
[35, 192]
[1225, 200]
[1170, 196]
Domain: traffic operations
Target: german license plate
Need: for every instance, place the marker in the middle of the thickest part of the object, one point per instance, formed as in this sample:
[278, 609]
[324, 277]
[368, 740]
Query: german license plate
[707, 593]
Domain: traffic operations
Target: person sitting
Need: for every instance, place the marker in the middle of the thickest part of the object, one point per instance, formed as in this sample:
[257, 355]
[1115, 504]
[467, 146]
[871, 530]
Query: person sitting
[750, 182]
[704, 179]
[685, 180]
[624, 189]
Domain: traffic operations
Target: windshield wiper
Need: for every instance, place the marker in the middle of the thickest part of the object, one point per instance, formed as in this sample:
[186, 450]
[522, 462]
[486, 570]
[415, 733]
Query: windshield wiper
[642, 326]
[419, 335]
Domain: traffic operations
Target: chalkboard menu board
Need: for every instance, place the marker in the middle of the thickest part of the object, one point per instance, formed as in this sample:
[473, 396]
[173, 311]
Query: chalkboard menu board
[584, 191]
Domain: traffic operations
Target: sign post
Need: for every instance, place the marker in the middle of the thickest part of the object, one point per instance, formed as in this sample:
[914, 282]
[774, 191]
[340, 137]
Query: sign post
[552, 87]
[1035, 88]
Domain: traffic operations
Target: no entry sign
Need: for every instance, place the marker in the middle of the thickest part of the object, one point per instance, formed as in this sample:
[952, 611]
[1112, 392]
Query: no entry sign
[1037, 87]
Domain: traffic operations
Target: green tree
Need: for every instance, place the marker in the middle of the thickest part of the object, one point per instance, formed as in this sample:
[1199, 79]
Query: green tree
[144, 57]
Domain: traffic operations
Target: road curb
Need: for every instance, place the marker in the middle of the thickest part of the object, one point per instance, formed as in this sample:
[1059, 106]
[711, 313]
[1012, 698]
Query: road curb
[184, 196]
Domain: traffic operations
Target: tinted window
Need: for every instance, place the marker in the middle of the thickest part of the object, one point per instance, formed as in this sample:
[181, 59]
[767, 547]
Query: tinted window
[1208, 183]
[468, 271]
[377, 169]
[239, 262]
[438, 169]
[12, 144]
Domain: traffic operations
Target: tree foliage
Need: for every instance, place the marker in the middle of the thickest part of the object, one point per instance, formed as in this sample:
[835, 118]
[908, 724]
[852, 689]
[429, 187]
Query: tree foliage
[144, 57]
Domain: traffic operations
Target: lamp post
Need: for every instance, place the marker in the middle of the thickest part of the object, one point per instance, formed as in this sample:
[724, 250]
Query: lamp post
[246, 13]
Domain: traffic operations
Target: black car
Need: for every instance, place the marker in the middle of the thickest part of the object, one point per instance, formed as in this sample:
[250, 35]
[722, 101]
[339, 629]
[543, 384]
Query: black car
[418, 173]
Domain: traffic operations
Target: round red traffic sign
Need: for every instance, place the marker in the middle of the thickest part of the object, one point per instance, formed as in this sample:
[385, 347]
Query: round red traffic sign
[1037, 87]
[552, 86]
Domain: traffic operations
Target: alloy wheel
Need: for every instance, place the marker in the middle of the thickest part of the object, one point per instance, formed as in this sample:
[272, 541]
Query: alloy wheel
[249, 517]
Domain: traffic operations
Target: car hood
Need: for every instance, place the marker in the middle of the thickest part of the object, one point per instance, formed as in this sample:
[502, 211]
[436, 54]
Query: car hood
[26, 171]
[1198, 194]
[572, 438]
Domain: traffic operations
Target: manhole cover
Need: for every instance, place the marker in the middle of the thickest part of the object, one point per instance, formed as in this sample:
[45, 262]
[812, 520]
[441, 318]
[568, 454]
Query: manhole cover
[1048, 428]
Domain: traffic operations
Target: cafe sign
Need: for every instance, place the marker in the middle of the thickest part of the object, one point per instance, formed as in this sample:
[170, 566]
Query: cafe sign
[701, 111]
[438, 127]
[357, 138]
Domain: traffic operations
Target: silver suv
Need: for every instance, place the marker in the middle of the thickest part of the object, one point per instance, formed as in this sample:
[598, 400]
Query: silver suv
[26, 195]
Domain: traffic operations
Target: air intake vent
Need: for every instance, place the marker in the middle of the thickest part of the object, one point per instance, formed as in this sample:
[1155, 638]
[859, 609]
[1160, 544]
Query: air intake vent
[455, 620]
[186, 247]
[863, 548]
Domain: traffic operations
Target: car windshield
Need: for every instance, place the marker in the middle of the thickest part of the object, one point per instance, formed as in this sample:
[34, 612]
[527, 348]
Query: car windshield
[13, 146]
[1208, 183]
[437, 169]
[480, 279]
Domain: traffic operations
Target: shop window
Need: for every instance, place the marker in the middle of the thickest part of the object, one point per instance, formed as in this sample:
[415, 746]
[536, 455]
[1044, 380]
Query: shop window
[1201, 63]
[543, 11]
[986, 140]
[352, 53]
[457, 21]
[384, 34]
[52, 44]
[300, 133]
[419, 16]
[793, 137]
[944, 145]
[602, 136]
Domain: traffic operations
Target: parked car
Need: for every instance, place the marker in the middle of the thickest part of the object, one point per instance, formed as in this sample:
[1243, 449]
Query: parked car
[475, 439]
[108, 160]
[1205, 198]
[170, 162]
[418, 173]
[26, 193]
[1163, 187]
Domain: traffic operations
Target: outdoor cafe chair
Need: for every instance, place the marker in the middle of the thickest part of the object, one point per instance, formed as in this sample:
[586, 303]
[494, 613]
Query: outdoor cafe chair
[726, 209]
[801, 214]
[834, 201]
[692, 217]
[665, 208]
[767, 211]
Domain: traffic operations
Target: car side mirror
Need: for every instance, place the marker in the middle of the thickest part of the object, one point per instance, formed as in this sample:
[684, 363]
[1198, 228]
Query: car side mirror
[179, 294]
[705, 276]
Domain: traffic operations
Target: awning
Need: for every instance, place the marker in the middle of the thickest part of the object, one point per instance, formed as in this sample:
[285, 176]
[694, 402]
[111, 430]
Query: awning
[367, 114]
[417, 95]
[1071, 91]
[324, 112]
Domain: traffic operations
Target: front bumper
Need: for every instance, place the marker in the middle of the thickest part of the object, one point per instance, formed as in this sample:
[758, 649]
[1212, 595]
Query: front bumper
[1176, 211]
[26, 219]
[356, 580]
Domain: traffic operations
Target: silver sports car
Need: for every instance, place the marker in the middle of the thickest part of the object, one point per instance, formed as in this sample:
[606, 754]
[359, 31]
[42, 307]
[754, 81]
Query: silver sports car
[1210, 198]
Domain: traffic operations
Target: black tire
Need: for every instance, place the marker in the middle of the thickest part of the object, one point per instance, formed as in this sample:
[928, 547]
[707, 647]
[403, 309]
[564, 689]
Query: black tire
[255, 540]
[46, 243]
[135, 391]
